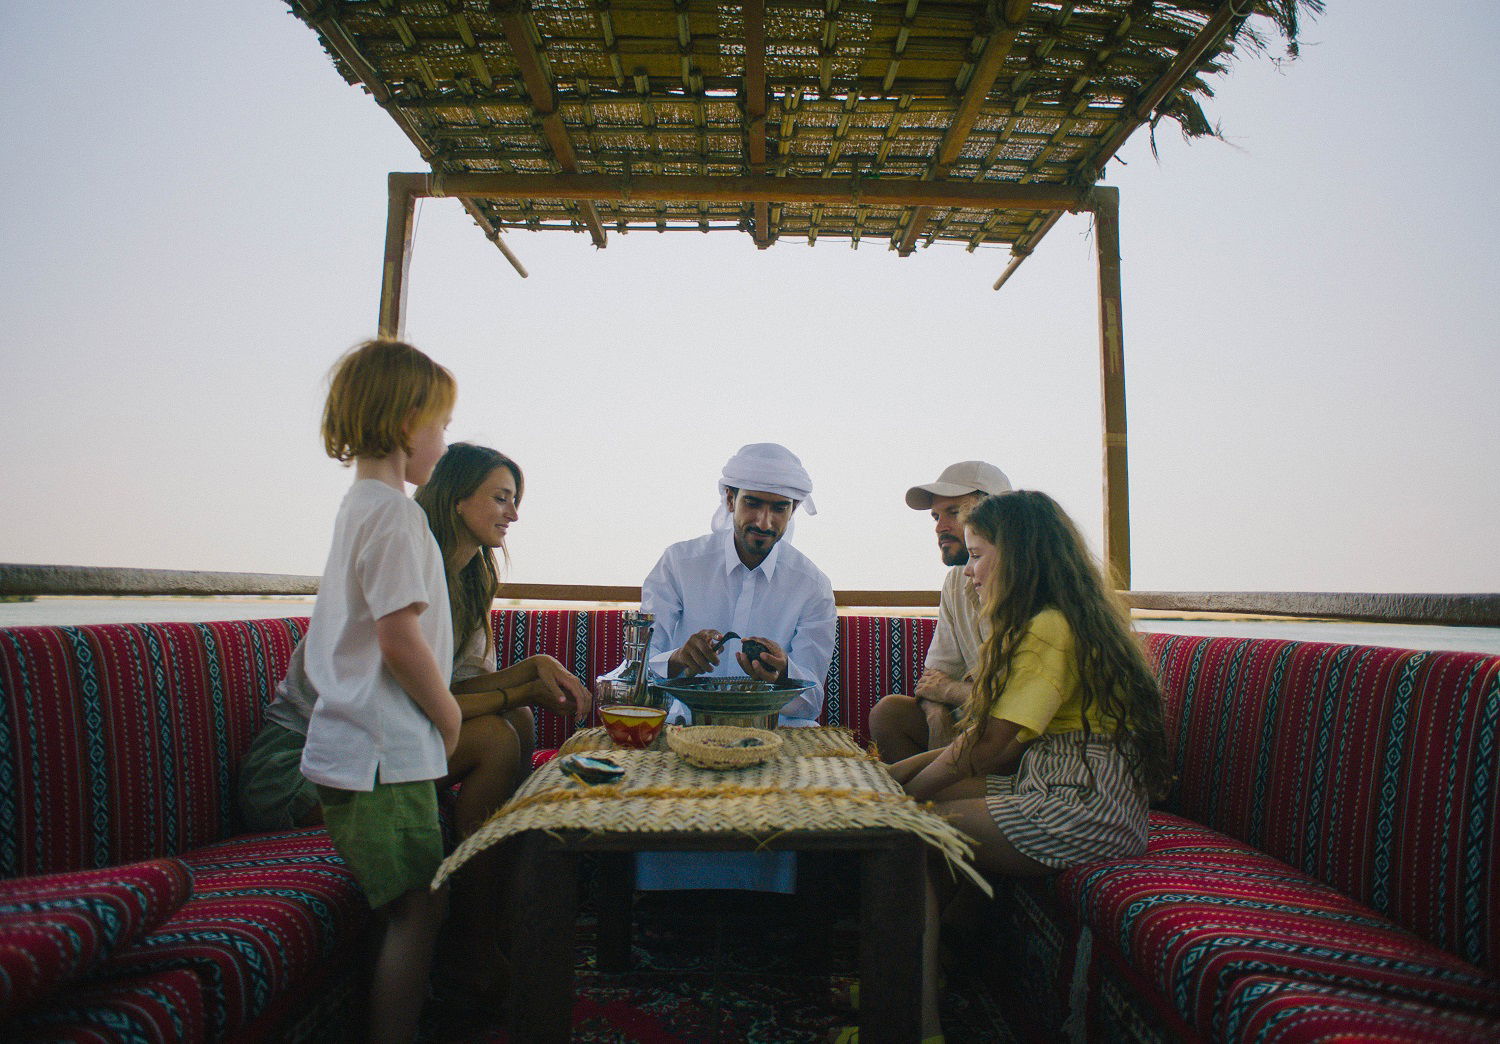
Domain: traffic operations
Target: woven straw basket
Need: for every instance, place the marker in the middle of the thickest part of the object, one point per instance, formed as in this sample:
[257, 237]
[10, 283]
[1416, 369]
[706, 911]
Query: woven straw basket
[712, 746]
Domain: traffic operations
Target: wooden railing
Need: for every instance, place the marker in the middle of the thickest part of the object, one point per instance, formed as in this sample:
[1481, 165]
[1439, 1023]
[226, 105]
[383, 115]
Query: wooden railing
[1466, 610]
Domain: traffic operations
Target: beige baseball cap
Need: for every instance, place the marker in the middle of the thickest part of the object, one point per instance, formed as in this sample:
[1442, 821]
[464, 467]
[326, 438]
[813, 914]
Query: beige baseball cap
[957, 480]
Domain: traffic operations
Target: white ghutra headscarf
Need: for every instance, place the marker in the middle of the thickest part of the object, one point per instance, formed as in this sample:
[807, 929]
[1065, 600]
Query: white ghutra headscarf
[770, 468]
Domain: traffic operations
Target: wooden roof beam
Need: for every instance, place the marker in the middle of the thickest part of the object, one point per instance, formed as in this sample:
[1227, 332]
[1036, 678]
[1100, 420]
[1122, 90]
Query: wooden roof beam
[755, 109]
[883, 192]
[986, 72]
[1221, 24]
[342, 45]
[544, 104]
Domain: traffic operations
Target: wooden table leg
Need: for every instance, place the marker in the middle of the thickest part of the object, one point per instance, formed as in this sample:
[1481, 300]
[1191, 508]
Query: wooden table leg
[616, 894]
[893, 893]
[545, 898]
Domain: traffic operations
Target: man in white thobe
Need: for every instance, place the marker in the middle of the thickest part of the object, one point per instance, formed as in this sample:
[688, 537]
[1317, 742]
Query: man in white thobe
[743, 576]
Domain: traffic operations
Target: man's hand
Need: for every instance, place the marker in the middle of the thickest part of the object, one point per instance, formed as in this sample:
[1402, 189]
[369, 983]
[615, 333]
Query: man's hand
[769, 666]
[938, 687]
[931, 682]
[556, 689]
[696, 655]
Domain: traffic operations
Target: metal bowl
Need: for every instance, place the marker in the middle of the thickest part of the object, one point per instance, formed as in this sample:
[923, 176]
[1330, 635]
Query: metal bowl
[734, 700]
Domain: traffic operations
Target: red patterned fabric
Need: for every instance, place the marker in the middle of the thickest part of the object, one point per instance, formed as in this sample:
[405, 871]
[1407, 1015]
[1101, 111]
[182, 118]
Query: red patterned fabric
[56, 927]
[1196, 919]
[270, 911]
[872, 657]
[164, 1008]
[1376, 771]
[119, 742]
[587, 642]
[1268, 1010]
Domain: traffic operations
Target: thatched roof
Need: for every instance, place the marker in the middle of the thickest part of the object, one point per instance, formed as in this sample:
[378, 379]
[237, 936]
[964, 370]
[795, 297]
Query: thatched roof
[854, 102]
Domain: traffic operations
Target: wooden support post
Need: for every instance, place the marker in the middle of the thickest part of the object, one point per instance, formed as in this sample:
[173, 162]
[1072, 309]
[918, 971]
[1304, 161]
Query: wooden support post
[755, 110]
[401, 206]
[1112, 381]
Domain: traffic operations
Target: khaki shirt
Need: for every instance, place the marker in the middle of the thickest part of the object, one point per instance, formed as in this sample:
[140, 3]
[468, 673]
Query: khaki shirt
[961, 629]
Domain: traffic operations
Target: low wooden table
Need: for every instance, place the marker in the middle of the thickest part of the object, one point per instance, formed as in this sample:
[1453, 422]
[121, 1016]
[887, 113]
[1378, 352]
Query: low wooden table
[822, 794]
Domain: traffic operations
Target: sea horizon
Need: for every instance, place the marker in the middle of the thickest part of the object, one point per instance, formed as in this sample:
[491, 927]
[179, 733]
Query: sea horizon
[78, 610]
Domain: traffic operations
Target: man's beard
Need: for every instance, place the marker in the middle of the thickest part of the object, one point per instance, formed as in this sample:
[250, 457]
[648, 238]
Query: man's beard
[954, 555]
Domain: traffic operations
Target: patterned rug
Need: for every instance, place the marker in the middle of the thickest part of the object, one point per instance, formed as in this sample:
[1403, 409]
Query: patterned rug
[723, 968]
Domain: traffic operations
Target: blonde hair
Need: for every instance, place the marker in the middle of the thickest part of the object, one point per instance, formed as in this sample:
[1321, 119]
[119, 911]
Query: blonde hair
[376, 392]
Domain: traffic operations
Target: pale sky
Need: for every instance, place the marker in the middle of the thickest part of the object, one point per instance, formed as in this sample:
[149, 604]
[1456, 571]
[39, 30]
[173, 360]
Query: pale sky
[193, 232]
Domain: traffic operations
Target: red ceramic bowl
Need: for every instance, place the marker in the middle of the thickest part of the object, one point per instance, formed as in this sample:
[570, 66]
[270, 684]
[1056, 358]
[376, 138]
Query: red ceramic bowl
[632, 726]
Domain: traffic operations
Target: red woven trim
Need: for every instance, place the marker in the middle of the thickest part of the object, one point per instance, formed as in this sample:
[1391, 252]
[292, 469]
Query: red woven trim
[57, 927]
[164, 1006]
[1282, 1011]
[268, 911]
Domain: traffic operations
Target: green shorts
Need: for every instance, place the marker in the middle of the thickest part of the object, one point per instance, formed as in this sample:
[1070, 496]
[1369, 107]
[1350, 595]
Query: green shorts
[274, 795]
[389, 836]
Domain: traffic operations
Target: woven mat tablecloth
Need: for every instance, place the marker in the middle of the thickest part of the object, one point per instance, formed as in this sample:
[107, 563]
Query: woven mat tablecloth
[819, 741]
[831, 787]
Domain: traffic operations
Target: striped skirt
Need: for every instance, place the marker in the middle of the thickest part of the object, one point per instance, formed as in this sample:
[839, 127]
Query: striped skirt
[1052, 811]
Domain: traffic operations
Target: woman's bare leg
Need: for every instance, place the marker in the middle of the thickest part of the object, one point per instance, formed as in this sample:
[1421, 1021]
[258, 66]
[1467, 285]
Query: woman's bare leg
[963, 805]
[994, 853]
[523, 721]
[487, 762]
[899, 728]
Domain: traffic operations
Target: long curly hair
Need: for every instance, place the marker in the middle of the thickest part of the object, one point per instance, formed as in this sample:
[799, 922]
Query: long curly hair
[1043, 563]
[472, 587]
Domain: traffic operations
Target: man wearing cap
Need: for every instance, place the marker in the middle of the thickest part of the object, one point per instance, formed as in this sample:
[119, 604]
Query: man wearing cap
[745, 576]
[905, 725]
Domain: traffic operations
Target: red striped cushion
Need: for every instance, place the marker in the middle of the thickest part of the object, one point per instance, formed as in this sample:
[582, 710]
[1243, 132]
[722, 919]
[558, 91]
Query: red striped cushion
[1281, 1011]
[269, 911]
[1376, 771]
[57, 927]
[166, 1006]
[1198, 921]
[119, 742]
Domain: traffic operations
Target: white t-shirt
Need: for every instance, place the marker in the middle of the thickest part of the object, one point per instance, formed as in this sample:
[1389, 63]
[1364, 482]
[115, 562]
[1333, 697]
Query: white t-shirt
[383, 559]
[295, 696]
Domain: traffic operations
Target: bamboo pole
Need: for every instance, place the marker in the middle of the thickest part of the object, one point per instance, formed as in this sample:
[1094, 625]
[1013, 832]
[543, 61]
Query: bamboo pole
[342, 45]
[401, 204]
[755, 109]
[544, 104]
[984, 195]
[1224, 21]
[991, 62]
[1112, 385]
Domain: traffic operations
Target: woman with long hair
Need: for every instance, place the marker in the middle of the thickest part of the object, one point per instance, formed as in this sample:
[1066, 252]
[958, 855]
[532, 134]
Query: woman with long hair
[1063, 744]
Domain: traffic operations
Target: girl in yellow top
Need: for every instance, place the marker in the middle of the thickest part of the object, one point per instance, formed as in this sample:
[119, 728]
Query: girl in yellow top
[1063, 743]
